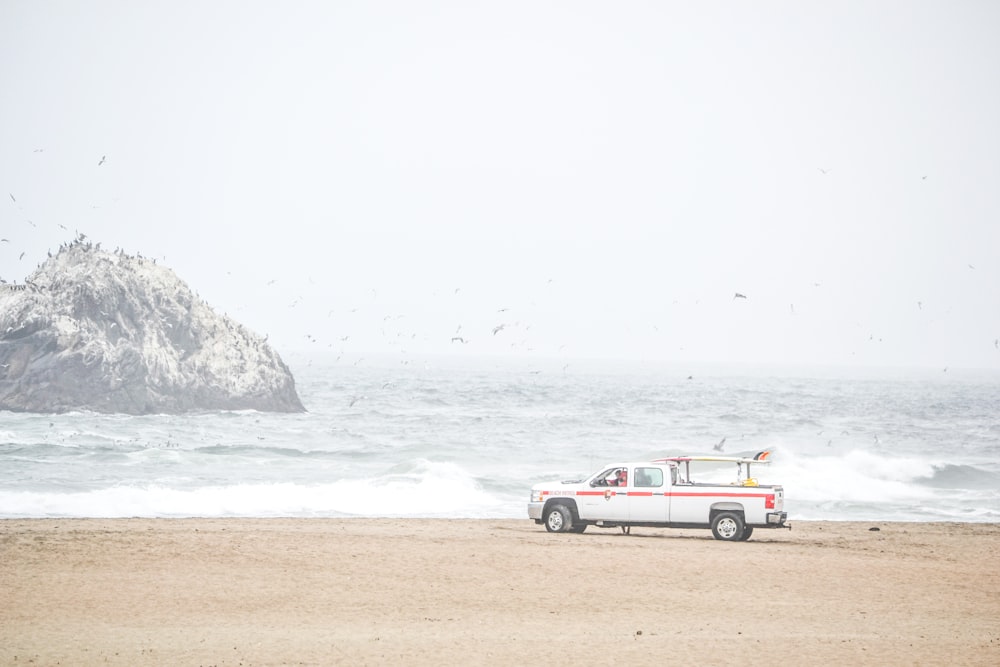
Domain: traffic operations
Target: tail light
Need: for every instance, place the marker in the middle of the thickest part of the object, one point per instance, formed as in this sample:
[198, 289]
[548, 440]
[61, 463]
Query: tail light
[769, 501]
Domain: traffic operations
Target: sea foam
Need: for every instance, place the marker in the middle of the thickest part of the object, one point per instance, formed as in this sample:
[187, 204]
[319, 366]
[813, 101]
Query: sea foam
[470, 443]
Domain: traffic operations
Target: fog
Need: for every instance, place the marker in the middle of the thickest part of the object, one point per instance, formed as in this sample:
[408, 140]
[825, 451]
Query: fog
[783, 182]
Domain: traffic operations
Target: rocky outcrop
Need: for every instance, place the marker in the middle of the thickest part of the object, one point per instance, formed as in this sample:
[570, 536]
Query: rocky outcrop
[113, 332]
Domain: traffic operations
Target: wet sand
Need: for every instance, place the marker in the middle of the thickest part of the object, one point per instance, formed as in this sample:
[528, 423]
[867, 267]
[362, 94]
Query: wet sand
[505, 592]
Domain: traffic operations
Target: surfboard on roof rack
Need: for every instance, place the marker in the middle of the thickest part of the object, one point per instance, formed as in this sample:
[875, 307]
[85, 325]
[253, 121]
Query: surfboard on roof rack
[759, 457]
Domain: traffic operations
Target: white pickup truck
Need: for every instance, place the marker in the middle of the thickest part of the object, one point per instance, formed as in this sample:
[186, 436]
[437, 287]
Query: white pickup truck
[661, 493]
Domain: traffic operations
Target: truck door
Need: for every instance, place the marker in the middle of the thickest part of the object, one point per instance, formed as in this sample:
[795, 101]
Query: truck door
[606, 499]
[648, 500]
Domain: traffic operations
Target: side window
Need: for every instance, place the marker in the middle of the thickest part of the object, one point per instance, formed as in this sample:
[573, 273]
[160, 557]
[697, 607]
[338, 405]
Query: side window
[606, 478]
[648, 477]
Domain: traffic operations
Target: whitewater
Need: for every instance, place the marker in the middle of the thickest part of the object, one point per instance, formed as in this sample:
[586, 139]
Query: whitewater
[439, 438]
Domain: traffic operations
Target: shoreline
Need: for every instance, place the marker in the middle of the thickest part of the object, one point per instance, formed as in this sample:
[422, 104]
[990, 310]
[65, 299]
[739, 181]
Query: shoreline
[432, 591]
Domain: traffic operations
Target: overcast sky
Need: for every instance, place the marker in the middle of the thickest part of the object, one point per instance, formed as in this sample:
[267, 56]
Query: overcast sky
[381, 177]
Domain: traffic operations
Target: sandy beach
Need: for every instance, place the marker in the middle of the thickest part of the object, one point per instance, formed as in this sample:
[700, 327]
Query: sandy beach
[420, 591]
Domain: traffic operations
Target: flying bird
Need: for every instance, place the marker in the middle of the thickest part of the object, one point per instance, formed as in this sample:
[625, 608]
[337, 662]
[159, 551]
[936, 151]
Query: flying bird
[103, 158]
[498, 328]
[739, 296]
[719, 446]
[12, 198]
[823, 171]
[458, 339]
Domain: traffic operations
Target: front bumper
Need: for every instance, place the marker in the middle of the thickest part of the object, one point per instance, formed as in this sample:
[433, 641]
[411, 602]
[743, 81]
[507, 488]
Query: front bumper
[535, 511]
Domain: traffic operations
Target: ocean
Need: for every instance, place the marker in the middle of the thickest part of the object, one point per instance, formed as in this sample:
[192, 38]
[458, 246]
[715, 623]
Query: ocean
[438, 438]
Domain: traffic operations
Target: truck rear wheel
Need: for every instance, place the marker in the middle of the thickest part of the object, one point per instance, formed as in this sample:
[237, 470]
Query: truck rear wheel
[728, 526]
[747, 532]
[558, 519]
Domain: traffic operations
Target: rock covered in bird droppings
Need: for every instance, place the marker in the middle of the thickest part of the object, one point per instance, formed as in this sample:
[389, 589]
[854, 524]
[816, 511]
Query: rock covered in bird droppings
[112, 332]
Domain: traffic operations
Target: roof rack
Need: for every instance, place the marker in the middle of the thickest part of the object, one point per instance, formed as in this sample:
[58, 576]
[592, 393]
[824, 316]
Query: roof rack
[740, 461]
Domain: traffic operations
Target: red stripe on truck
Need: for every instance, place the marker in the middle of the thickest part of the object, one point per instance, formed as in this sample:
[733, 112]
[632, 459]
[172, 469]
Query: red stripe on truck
[768, 497]
[722, 495]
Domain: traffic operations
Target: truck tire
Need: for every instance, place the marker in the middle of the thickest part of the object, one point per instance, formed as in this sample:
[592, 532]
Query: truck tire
[728, 526]
[747, 532]
[558, 519]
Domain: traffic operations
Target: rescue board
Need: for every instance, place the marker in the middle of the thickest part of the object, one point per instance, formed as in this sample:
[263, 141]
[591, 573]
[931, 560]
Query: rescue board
[759, 457]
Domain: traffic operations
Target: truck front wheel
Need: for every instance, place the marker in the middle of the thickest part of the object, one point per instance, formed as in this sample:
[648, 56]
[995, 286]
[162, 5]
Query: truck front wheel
[558, 519]
[728, 526]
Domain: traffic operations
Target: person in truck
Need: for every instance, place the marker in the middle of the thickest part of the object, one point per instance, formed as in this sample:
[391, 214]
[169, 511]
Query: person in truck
[614, 478]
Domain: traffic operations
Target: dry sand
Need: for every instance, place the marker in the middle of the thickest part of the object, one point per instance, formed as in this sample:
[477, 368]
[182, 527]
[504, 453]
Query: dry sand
[409, 591]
